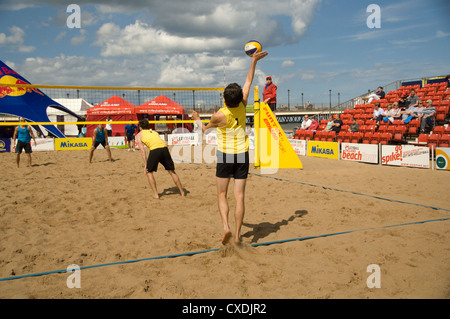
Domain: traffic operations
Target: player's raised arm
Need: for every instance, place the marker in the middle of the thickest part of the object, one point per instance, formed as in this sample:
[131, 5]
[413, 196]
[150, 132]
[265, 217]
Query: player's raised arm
[251, 74]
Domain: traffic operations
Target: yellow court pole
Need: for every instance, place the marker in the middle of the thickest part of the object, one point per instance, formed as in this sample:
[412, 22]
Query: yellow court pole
[256, 118]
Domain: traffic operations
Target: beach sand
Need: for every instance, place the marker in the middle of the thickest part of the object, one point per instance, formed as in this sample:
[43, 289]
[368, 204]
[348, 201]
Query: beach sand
[65, 211]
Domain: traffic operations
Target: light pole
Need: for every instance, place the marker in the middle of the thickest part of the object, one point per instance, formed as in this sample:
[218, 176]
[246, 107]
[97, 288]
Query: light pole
[330, 102]
[302, 101]
[289, 102]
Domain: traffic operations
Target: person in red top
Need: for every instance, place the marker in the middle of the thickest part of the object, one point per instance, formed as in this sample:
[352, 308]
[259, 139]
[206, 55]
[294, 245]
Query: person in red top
[270, 94]
[314, 125]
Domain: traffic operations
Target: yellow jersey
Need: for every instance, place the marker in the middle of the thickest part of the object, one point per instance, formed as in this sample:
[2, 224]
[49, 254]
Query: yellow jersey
[231, 138]
[152, 140]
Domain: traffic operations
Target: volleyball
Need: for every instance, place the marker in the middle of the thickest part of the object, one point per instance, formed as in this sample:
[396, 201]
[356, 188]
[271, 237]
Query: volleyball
[251, 47]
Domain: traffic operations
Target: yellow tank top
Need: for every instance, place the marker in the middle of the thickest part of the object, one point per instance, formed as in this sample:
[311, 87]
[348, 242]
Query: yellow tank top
[152, 140]
[232, 139]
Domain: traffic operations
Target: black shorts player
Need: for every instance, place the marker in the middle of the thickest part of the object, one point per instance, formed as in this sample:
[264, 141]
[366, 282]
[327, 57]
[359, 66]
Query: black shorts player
[232, 165]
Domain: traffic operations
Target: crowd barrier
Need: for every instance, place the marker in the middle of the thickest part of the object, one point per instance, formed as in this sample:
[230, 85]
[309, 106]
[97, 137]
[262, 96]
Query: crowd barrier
[392, 155]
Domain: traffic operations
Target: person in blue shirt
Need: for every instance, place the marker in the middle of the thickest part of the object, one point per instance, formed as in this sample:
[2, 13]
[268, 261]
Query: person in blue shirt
[23, 134]
[100, 137]
[130, 131]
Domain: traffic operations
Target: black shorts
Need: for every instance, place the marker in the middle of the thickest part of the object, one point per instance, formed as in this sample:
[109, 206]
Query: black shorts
[130, 137]
[160, 155]
[232, 165]
[22, 145]
[97, 143]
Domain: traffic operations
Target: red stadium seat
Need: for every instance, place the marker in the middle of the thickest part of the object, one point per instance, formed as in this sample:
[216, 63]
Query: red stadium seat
[331, 135]
[385, 138]
[347, 137]
[399, 132]
[383, 128]
[356, 137]
[439, 130]
[367, 137]
[375, 139]
[340, 136]
[433, 140]
[413, 126]
[309, 135]
[444, 141]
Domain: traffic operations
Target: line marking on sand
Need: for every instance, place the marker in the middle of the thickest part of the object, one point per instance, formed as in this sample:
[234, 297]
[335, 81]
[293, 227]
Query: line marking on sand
[217, 249]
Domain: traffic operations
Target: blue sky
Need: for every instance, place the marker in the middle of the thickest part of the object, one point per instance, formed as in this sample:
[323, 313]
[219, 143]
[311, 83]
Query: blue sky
[313, 45]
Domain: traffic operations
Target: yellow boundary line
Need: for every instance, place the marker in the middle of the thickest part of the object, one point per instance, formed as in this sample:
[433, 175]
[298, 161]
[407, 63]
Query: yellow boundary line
[84, 123]
[106, 87]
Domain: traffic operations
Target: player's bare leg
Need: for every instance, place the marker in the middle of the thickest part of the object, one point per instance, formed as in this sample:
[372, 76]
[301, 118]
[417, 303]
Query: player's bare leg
[222, 189]
[177, 182]
[152, 182]
[239, 195]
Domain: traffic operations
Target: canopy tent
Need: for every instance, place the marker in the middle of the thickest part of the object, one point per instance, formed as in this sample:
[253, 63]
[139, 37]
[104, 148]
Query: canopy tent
[29, 103]
[117, 108]
[162, 106]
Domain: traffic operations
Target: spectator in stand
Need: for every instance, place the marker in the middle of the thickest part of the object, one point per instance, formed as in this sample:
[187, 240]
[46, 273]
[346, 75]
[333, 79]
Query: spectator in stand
[354, 127]
[314, 125]
[378, 95]
[412, 99]
[270, 94]
[337, 124]
[329, 124]
[412, 112]
[306, 123]
[394, 114]
[387, 112]
[427, 116]
[378, 113]
[402, 104]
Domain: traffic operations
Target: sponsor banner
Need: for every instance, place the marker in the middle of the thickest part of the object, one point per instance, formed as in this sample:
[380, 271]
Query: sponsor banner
[66, 144]
[367, 153]
[323, 149]
[182, 139]
[211, 138]
[299, 146]
[443, 158]
[405, 155]
[116, 141]
[43, 145]
[5, 145]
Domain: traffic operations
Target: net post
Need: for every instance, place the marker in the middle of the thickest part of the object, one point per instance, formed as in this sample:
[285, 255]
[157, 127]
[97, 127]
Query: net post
[256, 121]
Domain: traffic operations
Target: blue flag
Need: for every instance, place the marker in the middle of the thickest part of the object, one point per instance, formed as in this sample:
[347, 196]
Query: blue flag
[29, 103]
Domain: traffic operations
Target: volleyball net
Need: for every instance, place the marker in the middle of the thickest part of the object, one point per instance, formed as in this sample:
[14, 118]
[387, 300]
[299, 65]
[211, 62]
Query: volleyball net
[140, 101]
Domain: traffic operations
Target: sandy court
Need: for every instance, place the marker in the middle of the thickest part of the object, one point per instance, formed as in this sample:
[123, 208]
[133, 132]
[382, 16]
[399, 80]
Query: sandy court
[66, 211]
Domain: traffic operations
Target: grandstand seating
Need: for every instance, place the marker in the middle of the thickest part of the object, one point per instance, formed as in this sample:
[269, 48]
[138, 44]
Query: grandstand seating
[356, 137]
[391, 132]
[444, 141]
[433, 140]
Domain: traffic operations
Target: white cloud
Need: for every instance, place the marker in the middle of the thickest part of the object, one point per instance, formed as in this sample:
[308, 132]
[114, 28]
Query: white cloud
[79, 39]
[205, 26]
[287, 64]
[16, 37]
[15, 41]
[442, 34]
